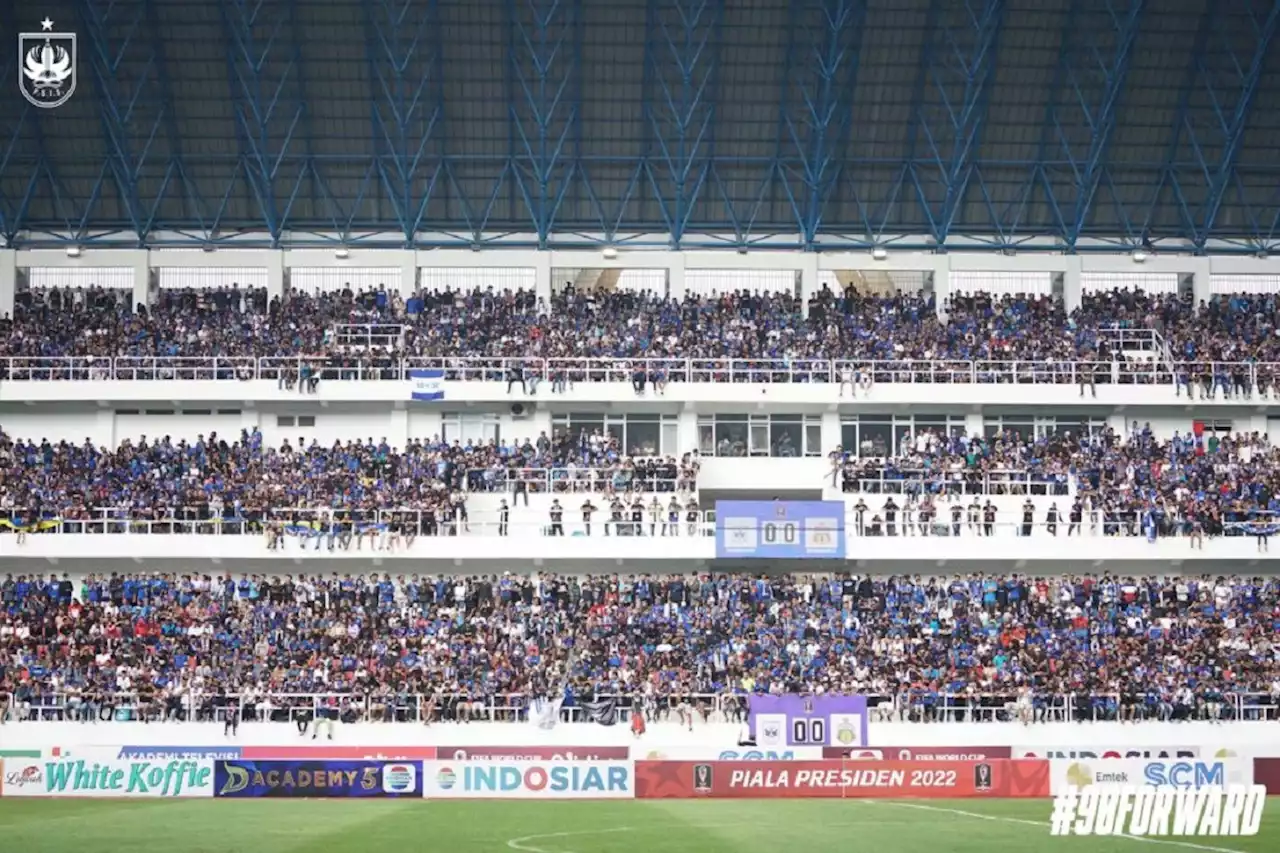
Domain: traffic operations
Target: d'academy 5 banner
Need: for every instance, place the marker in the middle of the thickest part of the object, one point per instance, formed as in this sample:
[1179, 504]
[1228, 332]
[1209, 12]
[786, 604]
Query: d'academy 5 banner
[317, 779]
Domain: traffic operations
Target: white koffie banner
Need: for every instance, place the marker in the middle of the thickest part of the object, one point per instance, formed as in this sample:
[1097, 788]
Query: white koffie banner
[68, 777]
[529, 780]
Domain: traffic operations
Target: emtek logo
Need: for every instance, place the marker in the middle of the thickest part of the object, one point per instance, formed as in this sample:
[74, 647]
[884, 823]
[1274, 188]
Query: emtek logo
[1186, 774]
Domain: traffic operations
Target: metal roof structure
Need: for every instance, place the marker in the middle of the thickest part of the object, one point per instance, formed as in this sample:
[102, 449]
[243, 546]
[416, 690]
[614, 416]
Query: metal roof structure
[1064, 125]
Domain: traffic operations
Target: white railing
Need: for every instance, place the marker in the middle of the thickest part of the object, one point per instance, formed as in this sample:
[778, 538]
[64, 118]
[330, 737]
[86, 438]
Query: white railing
[859, 478]
[573, 480]
[48, 706]
[365, 368]
[290, 707]
[302, 528]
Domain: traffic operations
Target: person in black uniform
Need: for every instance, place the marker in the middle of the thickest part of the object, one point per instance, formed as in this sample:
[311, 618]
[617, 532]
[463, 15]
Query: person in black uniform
[230, 721]
[1051, 520]
[504, 517]
[587, 509]
[1028, 516]
[557, 518]
[616, 509]
[1075, 518]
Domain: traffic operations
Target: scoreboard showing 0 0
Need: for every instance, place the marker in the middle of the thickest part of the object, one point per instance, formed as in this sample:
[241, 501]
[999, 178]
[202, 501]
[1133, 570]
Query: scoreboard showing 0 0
[799, 720]
[780, 530]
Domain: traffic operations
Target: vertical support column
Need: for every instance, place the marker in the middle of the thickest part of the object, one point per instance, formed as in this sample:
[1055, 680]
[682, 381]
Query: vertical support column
[275, 274]
[676, 286]
[398, 428]
[8, 281]
[1072, 292]
[409, 275]
[141, 279]
[808, 280]
[942, 289]
[1201, 276]
[687, 429]
[542, 277]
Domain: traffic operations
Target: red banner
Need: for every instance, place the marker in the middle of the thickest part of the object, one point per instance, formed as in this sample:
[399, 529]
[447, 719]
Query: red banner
[918, 753]
[339, 753]
[840, 779]
[534, 753]
[1266, 771]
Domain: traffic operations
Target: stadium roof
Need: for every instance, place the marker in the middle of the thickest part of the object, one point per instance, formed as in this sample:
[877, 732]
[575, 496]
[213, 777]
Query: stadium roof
[817, 124]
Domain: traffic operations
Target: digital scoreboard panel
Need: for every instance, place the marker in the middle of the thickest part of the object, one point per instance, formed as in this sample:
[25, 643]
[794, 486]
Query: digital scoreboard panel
[802, 720]
[787, 530]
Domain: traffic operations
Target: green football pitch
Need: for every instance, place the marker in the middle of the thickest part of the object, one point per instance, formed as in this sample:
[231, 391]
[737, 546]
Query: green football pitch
[655, 826]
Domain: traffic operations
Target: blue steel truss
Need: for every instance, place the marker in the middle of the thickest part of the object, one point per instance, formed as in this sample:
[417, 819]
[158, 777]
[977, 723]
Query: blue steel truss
[1232, 47]
[816, 110]
[1081, 111]
[403, 42]
[416, 165]
[681, 63]
[952, 93]
[267, 96]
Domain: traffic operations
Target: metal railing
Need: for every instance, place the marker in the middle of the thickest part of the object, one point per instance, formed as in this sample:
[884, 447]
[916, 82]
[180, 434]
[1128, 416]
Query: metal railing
[980, 707]
[1252, 376]
[62, 706]
[573, 480]
[859, 478]
[288, 529]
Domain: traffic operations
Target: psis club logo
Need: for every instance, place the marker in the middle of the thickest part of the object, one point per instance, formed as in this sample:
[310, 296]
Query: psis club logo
[47, 66]
[399, 778]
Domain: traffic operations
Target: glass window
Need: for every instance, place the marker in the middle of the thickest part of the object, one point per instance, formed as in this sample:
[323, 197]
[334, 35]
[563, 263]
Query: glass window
[707, 438]
[875, 436]
[759, 433]
[643, 437]
[813, 438]
[474, 428]
[731, 437]
[671, 437]
[849, 436]
[786, 436]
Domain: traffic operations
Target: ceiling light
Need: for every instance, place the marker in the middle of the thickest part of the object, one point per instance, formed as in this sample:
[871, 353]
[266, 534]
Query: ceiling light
[73, 251]
[879, 254]
[610, 252]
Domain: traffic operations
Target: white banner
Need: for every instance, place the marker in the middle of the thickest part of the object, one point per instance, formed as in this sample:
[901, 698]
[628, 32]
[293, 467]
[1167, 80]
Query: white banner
[529, 780]
[1094, 751]
[77, 777]
[1186, 773]
[737, 753]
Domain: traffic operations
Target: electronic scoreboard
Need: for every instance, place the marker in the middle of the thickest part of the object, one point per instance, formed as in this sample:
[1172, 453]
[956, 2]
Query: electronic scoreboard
[801, 720]
[780, 530]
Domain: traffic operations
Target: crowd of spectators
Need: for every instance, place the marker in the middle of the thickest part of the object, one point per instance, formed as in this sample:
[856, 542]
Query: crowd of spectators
[1132, 482]
[925, 647]
[777, 338]
[352, 484]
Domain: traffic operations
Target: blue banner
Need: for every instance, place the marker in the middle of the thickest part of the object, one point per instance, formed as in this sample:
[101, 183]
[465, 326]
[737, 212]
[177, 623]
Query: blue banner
[426, 385]
[338, 779]
[166, 753]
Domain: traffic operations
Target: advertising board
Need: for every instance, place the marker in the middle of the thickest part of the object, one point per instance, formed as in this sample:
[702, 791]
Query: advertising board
[331, 779]
[77, 777]
[533, 753]
[1178, 773]
[840, 779]
[531, 780]
[735, 753]
[1112, 751]
[918, 753]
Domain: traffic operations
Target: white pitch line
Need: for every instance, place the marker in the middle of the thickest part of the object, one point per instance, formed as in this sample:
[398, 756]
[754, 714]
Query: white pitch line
[1002, 819]
[522, 842]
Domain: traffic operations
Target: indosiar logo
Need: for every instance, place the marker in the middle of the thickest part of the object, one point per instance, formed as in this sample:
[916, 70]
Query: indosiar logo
[557, 779]
[1186, 774]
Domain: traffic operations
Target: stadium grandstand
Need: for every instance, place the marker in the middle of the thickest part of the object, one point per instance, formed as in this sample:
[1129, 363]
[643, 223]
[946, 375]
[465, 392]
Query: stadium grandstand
[426, 361]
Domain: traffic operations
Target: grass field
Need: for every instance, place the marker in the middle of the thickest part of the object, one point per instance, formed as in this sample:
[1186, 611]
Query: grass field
[404, 826]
